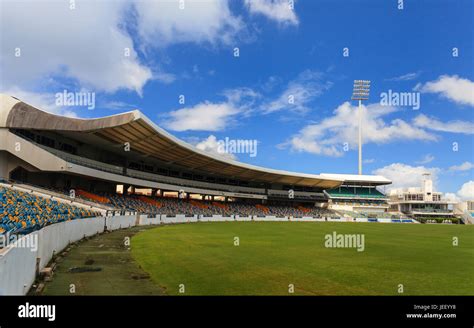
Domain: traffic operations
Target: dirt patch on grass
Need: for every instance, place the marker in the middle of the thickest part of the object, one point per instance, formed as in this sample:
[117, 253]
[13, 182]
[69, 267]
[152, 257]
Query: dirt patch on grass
[119, 274]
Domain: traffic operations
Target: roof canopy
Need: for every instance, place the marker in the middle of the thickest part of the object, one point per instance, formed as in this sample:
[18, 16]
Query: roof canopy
[148, 139]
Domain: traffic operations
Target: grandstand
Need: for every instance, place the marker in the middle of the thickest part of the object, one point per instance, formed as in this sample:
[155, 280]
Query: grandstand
[359, 198]
[105, 160]
[171, 206]
[22, 212]
[355, 193]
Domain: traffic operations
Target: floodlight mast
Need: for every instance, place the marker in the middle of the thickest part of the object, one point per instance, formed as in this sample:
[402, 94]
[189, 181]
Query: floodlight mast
[360, 92]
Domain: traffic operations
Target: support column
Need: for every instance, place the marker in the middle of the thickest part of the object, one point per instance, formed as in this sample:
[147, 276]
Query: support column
[125, 189]
[360, 136]
[4, 165]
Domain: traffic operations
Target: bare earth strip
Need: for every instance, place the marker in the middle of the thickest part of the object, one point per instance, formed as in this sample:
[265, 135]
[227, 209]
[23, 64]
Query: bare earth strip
[119, 275]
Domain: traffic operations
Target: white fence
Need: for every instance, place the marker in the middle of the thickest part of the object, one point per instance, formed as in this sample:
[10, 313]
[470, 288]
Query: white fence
[270, 218]
[242, 218]
[18, 264]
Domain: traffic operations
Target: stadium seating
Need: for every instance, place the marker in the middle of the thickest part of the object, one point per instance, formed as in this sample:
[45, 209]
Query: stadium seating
[262, 208]
[173, 206]
[355, 192]
[93, 197]
[220, 205]
[22, 212]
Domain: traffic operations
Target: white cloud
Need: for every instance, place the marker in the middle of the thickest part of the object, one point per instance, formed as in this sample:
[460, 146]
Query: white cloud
[455, 88]
[405, 176]
[211, 145]
[205, 116]
[430, 123]
[298, 93]
[161, 23]
[451, 197]
[164, 77]
[118, 105]
[467, 191]
[404, 77]
[244, 101]
[428, 158]
[278, 10]
[328, 136]
[86, 44]
[271, 83]
[242, 97]
[466, 166]
[93, 47]
[212, 116]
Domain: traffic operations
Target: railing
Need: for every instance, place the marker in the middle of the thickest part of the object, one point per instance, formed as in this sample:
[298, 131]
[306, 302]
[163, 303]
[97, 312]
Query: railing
[84, 161]
[192, 183]
[427, 210]
[149, 176]
[296, 194]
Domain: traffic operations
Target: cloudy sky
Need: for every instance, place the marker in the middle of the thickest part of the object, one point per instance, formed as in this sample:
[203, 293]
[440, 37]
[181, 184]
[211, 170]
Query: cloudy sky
[275, 71]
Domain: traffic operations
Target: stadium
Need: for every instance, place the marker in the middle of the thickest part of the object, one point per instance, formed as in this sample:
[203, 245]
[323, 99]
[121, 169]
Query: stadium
[195, 160]
[68, 182]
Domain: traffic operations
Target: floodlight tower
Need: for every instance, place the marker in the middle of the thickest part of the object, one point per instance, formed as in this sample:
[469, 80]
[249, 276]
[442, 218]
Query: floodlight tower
[361, 92]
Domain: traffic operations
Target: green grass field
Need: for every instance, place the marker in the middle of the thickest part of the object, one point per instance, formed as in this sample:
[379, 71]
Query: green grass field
[270, 257]
[273, 255]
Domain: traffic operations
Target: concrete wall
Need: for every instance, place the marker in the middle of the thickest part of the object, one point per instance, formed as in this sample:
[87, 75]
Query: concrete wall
[18, 264]
[178, 219]
[216, 218]
[243, 218]
[121, 222]
[307, 219]
[145, 220]
[270, 218]
[55, 237]
[29, 153]
[17, 270]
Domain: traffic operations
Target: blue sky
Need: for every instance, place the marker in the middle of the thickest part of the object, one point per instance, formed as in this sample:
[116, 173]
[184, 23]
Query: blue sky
[283, 52]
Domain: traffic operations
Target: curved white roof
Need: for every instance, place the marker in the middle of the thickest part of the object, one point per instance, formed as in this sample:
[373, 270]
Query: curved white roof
[149, 139]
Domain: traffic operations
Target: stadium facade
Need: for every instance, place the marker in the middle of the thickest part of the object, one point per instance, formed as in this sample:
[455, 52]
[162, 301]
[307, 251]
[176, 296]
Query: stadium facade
[130, 151]
[421, 202]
